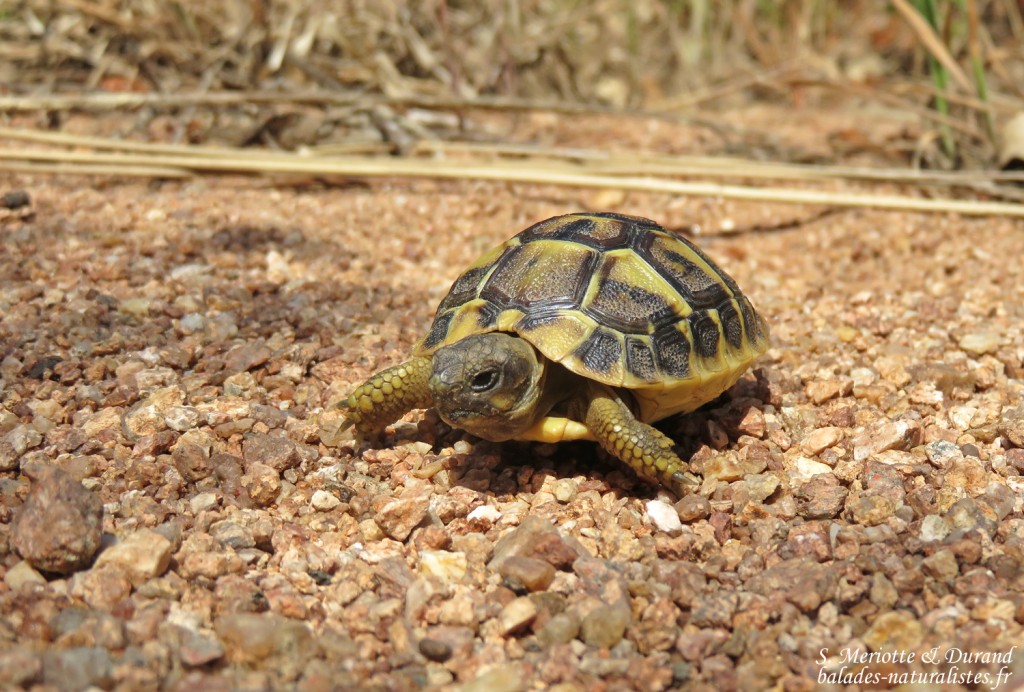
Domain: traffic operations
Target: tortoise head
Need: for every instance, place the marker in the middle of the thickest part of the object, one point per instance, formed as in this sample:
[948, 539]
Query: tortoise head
[489, 385]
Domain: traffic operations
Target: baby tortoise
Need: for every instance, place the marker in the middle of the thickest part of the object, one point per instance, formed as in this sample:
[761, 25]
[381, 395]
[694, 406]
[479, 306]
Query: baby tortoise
[581, 327]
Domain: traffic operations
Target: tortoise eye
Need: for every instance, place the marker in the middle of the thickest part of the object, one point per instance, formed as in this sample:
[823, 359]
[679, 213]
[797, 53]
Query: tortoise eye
[484, 381]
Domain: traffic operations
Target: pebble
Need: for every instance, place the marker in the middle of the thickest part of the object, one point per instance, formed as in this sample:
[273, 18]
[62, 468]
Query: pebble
[488, 514]
[142, 555]
[15, 443]
[435, 649]
[821, 497]
[942, 453]
[664, 517]
[399, 516]
[535, 537]
[901, 434]
[21, 575]
[324, 501]
[279, 453]
[605, 625]
[564, 490]
[59, 527]
[148, 416]
[760, 486]
[262, 484]
[723, 467]
[533, 574]
[267, 641]
[198, 649]
[967, 513]
[979, 343]
[78, 668]
[1011, 425]
[19, 666]
[870, 508]
[449, 567]
[805, 469]
[897, 630]
[560, 629]
[941, 565]
[817, 441]
[203, 502]
[802, 581]
[504, 677]
[516, 616]
[934, 528]
[693, 508]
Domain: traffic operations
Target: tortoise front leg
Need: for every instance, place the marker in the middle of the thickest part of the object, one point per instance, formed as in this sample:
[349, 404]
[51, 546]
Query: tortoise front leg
[387, 396]
[644, 449]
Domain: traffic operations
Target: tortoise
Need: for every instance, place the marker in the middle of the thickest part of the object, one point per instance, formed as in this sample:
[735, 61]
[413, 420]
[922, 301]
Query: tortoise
[587, 326]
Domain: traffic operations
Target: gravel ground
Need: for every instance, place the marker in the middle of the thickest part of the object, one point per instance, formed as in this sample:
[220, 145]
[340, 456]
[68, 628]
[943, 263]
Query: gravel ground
[178, 512]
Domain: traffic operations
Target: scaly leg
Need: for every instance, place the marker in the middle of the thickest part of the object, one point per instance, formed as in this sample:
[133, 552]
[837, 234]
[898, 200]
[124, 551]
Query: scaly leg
[387, 396]
[645, 450]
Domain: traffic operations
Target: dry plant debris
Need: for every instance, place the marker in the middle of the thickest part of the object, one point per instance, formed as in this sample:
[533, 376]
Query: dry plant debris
[175, 349]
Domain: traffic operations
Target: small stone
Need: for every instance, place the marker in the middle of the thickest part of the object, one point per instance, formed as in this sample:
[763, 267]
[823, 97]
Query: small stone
[901, 434]
[714, 610]
[664, 517]
[821, 497]
[147, 416]
[59, 527]
[19, 666]
[399, 516]
[279, 453]
[15, 443]
[967, 513]
[22, 575]
[246, 357]
[820, 391]
[198, 649]
[806, 469]
[565, 489]
[487, 514]
[449, 567]
[535, 537]
[435, 649]
[533, 574]
[980, 343]
[693, 508]
[506, 677]
[1011, 425]
[870, 508]
[752, 423]
[883, 593]
[941, 565]
[78, 668]
[604, 626]
[266, 641]
[262, 483]
[142, 555]
[560, 629]
[324, 501]
[760, 486]
[191, 455]
[802, 581]
[723, 467]
[181, 418]
[203, 502]
[895, 630]
[516, 616]
[942, 453]
[817, 441]
[934, 528]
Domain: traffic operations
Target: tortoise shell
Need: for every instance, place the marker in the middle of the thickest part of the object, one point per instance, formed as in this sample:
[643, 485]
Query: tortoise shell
[612, 298]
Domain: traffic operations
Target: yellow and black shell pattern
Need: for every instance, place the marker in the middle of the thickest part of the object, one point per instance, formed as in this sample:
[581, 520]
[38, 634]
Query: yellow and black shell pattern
[613, 298]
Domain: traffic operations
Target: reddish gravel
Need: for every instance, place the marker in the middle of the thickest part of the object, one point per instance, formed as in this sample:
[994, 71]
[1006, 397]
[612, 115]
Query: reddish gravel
[171, 352]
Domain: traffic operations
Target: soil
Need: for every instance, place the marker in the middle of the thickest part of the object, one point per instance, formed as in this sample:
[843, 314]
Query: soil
[177, 348]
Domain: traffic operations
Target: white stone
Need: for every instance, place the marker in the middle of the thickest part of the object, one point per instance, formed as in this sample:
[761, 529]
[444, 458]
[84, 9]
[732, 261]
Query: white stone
[324, 501]
[664, 517]
[486, 513]
[806, 469]
[447, 566]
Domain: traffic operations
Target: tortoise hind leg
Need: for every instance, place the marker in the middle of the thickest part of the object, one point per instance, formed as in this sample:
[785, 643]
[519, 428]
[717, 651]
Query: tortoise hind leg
[644, 449]
[387, 396]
